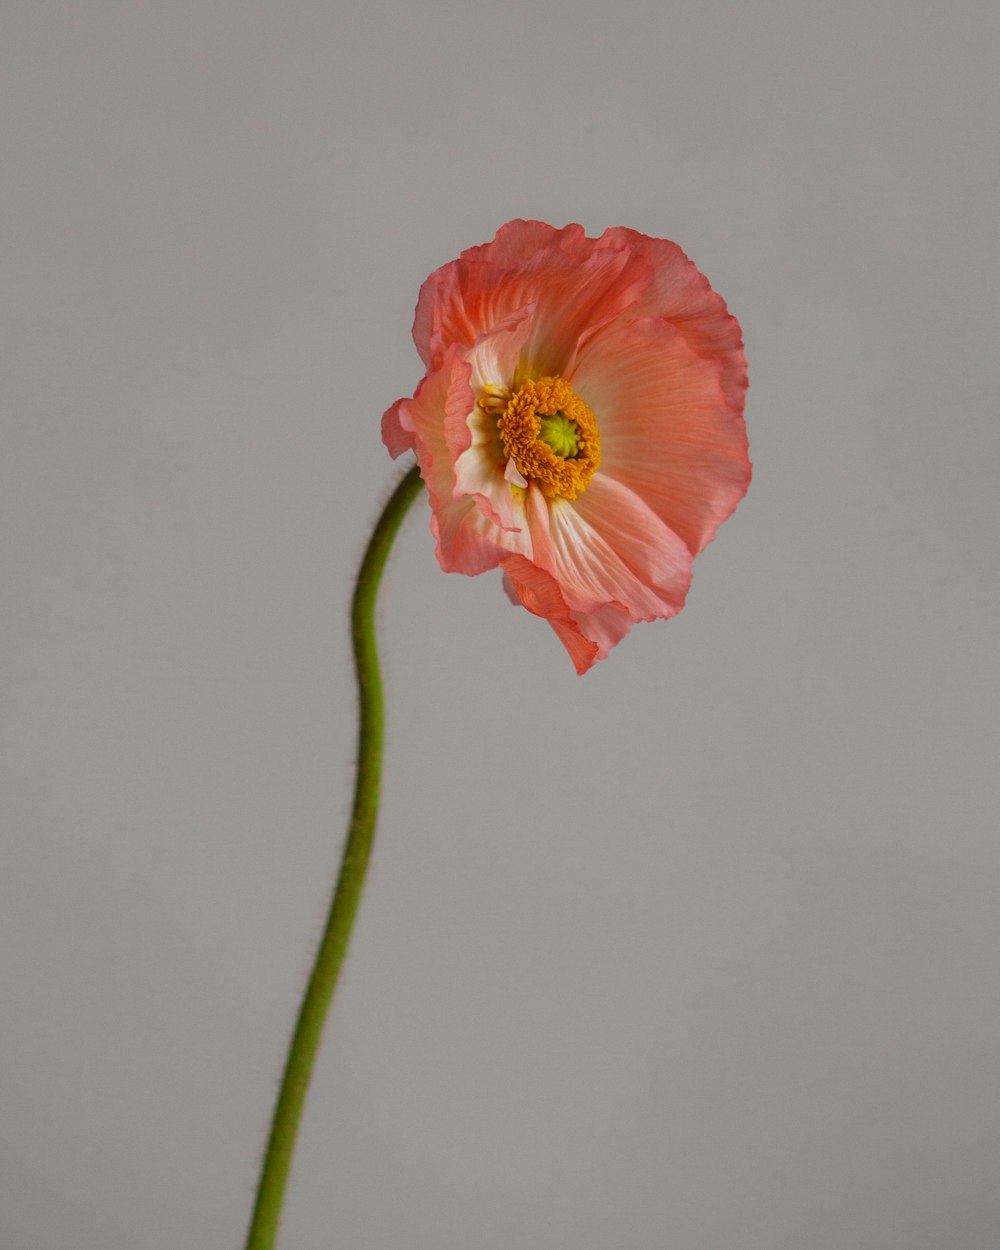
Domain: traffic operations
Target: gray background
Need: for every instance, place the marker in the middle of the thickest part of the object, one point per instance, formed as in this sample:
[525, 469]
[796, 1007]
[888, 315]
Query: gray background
[698, 952]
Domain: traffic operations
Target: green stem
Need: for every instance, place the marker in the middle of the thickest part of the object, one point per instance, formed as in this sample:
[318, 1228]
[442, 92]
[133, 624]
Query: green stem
[333, 947]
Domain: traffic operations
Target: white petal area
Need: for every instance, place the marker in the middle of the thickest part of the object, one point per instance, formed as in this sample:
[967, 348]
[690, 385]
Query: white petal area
[470, 540]
[667, 429]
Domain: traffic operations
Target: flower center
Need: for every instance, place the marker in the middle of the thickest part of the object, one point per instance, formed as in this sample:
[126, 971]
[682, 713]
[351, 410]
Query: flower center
[551, 436]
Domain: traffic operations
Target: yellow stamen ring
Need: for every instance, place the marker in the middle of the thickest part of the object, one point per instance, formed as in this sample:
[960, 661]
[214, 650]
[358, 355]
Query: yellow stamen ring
[545, 415]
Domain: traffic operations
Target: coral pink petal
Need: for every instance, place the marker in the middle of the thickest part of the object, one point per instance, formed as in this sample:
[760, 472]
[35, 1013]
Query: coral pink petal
[680, 294]
[517, 241]
[576, 302]
[396, 438]
[605, 627]
[587, 636]
[495, 354]
[667, 430]
[572, 294]
[539, 592]
[647, 344]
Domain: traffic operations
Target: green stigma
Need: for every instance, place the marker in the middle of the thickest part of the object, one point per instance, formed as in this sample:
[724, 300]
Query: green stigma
[560, 434]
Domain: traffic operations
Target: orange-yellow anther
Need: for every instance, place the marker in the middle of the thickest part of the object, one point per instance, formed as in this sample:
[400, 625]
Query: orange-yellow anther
[521, 430]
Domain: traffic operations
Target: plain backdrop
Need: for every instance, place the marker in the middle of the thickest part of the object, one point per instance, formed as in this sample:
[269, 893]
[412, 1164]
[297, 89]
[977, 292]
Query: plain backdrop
[698, 952]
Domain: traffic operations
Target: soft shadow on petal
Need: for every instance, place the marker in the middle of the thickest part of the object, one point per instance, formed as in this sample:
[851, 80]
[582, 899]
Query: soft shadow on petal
[479, 473]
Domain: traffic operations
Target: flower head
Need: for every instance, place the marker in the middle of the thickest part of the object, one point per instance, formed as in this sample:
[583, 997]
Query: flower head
[579, 424]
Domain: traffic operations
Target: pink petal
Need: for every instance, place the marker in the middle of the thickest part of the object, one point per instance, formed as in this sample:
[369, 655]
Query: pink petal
[496, 352]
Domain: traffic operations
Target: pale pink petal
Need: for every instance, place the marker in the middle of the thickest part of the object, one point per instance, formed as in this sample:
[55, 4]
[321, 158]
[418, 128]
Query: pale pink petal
[598, 554]
[439, 408]
[654, 554]
[667, 430]
[466, 533]
[480, 468]
[469, 540]
[480, 472]
[441, 403]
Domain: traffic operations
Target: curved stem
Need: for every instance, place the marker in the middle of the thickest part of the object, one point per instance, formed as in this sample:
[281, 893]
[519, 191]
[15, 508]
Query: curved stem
[333, 947]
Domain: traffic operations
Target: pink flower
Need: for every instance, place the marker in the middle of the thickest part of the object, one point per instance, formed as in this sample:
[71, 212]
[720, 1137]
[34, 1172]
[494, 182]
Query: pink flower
[579, 424]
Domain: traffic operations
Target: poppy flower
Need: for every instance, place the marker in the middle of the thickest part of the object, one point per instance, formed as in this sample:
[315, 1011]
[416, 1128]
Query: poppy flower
[579, 424]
